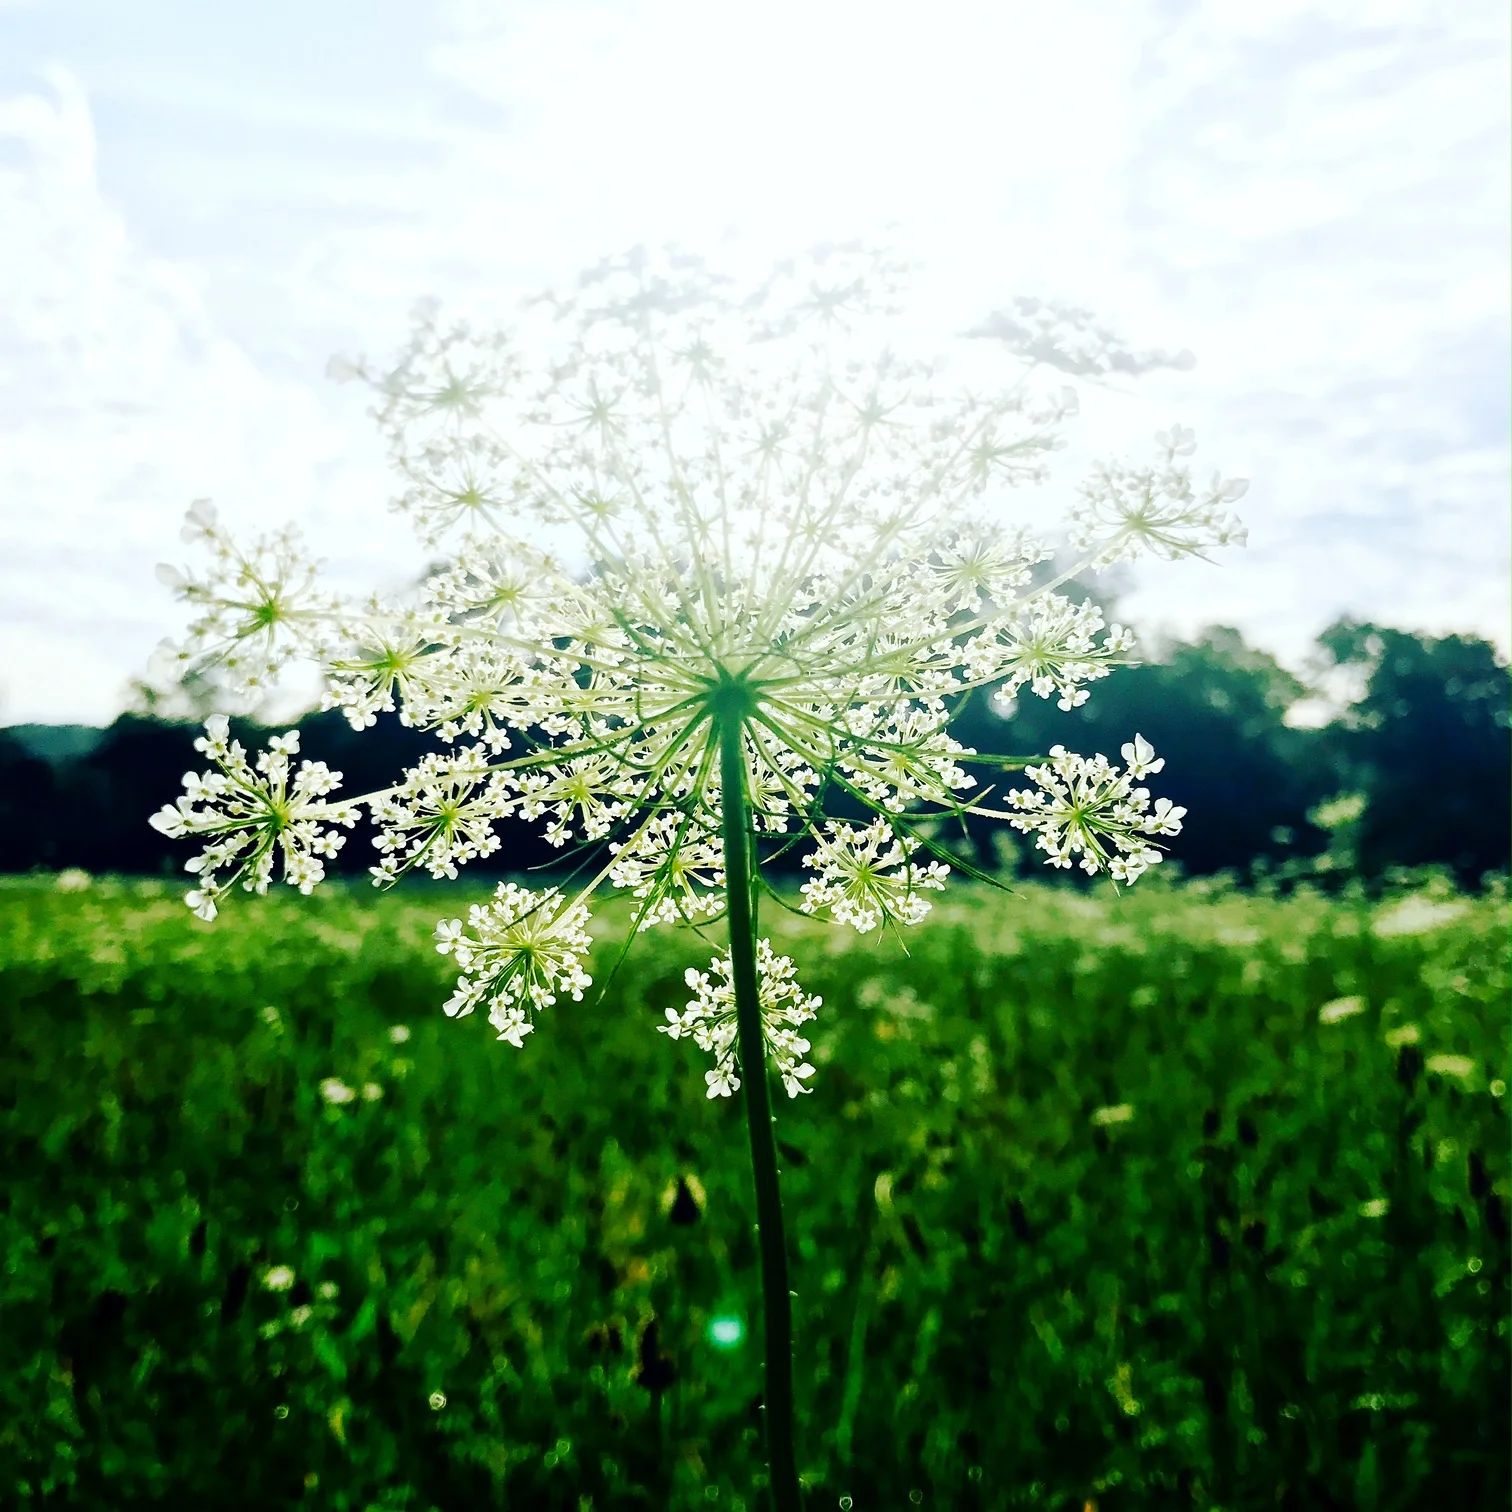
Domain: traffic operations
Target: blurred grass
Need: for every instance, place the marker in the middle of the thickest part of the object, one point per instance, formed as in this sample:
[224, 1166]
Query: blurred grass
[1087, 1205]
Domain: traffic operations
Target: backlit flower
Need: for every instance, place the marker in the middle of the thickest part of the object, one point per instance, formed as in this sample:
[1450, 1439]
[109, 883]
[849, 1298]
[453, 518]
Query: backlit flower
[255, 816]
[709, 1019]
[785, 530]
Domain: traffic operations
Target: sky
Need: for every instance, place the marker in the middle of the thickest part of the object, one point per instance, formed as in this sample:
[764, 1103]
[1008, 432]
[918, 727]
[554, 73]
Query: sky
[201, 204]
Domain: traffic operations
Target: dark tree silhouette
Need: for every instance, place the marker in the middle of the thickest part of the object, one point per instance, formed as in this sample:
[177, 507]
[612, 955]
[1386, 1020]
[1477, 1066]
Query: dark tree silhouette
[1215, 711]
[28, 809]
[1427, 744]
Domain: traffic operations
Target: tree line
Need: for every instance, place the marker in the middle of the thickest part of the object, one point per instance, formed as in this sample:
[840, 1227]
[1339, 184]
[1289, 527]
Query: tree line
[1414, 771]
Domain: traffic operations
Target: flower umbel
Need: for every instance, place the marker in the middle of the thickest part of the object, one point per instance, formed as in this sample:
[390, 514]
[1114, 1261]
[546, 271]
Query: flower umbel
[1092, 810]
[710, 1020]
[865, 876]
[790, 570]
[786, 529]
[524, 949]
[253, 815]
[1126, 512]
[257, 609]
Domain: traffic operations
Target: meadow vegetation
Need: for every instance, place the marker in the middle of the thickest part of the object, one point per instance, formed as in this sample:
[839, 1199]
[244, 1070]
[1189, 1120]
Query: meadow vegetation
[1181, 1198]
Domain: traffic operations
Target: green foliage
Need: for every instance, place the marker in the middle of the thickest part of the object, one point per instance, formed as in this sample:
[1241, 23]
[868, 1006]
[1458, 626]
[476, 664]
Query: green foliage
[1214, 710]
[1426, 749]
[1088, 1204]
[1426, 746]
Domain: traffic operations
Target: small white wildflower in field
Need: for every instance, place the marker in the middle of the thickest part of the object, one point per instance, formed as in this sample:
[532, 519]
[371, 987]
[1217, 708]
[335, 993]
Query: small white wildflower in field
[278, 1278]
[328, 1291]
[1377, 1207]
[299, 1316]
[336, 1092]
[790, 549]
[1117, 1114]
[1416, 915]
[1340, 1009]
[1460, 1066]
[73, 879]
[371, 1092]
[399, 1034]
[437, 1400]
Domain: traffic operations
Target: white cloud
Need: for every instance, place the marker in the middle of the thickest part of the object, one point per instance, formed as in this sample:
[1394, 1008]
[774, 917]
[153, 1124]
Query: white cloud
[120, 403]
[1313, 197]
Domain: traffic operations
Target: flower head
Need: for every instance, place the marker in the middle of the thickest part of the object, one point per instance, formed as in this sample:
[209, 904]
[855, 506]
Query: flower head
[866, 876]
[1089, 809]
[256, 608]
[1126, 512]
[709, 1019]
[255, 815]
[524, 948]
[788, 545]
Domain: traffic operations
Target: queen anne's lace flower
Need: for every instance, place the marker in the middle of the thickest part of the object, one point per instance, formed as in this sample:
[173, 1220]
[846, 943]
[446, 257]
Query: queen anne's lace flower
[1126, 512]
[787, 534]
[866, 877]
[1084, 807]
[675, 865]
[254, 815]
[710, 1020]
[442, 816]
[974, 570]
[523, 950]
[258, 609]
[1053, 646]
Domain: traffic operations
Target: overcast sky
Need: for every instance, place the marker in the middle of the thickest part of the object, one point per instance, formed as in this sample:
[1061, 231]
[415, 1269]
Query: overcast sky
[200, 203]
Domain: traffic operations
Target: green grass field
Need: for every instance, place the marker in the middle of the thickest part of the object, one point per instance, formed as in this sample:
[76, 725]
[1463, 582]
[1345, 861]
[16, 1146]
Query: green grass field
[1180, 1199]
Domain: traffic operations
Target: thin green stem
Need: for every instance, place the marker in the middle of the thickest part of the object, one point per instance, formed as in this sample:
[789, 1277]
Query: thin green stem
[777, 1305]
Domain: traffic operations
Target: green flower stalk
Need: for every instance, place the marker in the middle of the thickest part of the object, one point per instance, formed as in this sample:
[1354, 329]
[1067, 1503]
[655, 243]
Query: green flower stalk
[712, 555]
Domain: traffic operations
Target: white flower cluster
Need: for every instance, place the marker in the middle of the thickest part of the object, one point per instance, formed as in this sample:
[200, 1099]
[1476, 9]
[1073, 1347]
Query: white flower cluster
[786, 531]
[441, 816]
[1052, 646]
[1084, 807]
[865, 876]
[675, 865]
[710, 1020]
[524, 949]
[1125, 512]
[252, 815]
[258, 609]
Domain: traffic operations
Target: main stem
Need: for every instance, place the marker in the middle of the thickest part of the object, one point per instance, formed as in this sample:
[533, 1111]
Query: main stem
[777, 1305]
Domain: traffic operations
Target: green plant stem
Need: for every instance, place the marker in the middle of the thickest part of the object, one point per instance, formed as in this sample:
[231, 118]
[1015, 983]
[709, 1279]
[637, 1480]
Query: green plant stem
[777, 1306]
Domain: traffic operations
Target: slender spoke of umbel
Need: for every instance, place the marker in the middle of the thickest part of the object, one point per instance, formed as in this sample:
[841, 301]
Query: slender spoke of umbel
[777, 1306]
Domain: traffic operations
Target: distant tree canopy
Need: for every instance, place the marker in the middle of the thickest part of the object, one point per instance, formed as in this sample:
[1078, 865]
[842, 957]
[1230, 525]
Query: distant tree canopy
[1215, 711]
[1420, 765]
[1427, 747]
